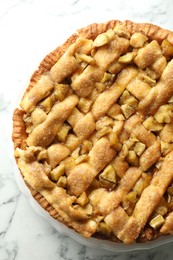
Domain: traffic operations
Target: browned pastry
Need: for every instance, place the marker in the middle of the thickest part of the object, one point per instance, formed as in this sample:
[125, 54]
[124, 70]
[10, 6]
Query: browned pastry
[93, 137]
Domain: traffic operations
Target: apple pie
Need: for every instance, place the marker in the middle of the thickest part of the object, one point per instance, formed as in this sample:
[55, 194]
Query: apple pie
[93, 135]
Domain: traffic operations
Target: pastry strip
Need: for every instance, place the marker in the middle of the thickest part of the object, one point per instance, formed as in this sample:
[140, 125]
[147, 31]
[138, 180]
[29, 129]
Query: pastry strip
[105, 55]
[106, 99]
[152, 195]
[167, 227]
[125, 228]
[40, 90]
[44, 133]
[83, 174]
[159, 94]
[108, 200]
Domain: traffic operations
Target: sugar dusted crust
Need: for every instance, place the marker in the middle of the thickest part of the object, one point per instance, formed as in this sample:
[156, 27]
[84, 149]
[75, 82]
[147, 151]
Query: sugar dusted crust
[125, 228]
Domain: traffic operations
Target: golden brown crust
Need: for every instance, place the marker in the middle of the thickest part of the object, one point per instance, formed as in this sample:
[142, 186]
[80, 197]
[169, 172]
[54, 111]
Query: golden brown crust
[153, 32]
[128, 228]
[19, 133]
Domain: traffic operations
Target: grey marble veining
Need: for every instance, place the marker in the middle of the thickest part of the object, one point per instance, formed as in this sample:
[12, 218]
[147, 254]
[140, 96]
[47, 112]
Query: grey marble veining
[29, 29]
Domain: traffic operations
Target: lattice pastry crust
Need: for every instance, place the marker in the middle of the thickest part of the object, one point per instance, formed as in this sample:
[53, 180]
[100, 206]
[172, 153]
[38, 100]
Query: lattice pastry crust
[93, 138]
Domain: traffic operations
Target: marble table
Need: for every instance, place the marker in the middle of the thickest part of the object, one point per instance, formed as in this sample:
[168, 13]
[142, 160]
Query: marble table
[29, 29]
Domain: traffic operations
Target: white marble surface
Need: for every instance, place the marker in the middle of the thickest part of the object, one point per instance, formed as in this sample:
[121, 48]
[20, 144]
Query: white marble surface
[29, 29]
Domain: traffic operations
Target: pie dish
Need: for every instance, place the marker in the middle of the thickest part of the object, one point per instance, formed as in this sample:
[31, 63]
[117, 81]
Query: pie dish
[93, 136]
